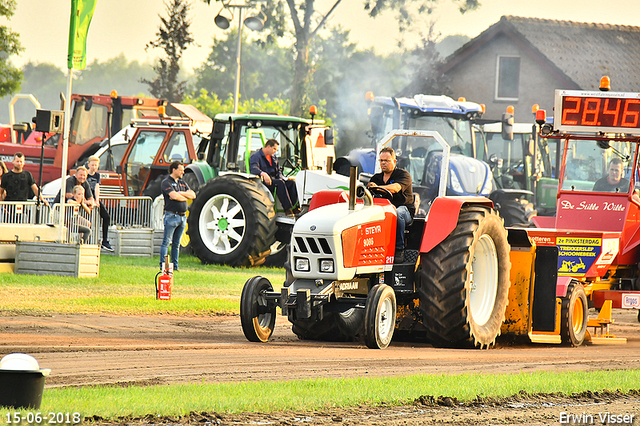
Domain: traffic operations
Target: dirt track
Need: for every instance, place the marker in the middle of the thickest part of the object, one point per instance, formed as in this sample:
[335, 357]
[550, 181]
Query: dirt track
[101, 349]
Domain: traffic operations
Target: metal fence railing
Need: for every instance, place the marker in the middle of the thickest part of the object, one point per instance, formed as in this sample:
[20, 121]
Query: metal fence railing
[129, 212]
[23, 212]
[79, 226]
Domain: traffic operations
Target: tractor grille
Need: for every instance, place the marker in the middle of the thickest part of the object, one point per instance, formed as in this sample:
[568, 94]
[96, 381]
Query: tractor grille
[312, 245]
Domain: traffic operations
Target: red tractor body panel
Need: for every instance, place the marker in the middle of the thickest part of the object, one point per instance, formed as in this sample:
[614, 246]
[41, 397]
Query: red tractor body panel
[443, 218]
[372, 243]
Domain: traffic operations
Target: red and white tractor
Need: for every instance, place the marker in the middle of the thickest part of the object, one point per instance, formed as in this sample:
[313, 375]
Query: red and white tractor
[465, 278]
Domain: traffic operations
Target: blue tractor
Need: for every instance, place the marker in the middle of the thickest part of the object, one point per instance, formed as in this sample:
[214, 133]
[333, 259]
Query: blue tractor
[454, 121]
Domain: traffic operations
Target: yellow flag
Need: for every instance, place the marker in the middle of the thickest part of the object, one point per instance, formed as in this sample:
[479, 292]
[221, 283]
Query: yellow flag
[81, 14]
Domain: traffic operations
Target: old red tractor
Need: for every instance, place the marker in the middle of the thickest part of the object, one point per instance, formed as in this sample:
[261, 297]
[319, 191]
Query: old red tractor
[465, 278]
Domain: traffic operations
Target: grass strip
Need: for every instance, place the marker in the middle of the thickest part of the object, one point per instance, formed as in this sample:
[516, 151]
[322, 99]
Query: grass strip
[111, 402]
[126, 286]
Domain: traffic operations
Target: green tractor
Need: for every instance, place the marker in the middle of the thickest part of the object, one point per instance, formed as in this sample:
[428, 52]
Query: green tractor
[520, 159]
[234, 219]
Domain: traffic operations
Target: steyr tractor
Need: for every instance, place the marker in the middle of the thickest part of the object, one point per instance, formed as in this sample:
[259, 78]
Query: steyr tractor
[455, 121]
[235, 219]
[465, 278]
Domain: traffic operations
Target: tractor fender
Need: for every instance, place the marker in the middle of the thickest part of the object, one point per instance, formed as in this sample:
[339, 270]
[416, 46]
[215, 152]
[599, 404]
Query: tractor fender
[499, 195]
[562, 284]
[443, 219]
[202, 171]
[197, 172]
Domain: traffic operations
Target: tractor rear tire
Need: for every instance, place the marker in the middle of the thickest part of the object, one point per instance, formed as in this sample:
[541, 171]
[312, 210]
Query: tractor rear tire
[257, 316]
[463, 283]
[232, 221]
[517, 213]
[192, 180]
[380, 317]
[334, 326]
[574, 315]
[154, 188]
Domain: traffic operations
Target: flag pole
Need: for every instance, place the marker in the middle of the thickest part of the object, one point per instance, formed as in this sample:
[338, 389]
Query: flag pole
[81, 14]
[65, 151]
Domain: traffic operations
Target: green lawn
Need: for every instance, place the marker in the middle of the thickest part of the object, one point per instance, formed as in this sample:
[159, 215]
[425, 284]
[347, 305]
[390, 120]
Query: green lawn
[127, 286]
[315, 394]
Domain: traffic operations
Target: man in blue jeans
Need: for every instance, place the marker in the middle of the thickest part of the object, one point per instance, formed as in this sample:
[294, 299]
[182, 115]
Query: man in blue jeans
[176, 192]
[398, 183]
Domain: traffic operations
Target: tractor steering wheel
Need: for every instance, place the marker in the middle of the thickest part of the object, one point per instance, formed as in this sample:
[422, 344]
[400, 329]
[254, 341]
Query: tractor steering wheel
[294, 167]
[379, 192]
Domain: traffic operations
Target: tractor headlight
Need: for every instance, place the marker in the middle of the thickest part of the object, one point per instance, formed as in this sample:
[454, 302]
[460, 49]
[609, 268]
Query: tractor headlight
[326, 265]
[455, 183]
[302, 264]
[488, 188]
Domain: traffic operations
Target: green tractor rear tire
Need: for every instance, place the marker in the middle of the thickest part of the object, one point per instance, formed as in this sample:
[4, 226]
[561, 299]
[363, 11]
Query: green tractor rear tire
[232, 221]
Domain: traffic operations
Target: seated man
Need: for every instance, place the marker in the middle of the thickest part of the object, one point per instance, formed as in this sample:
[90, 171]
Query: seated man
[264, 163]
[613, 182]
[398, 182]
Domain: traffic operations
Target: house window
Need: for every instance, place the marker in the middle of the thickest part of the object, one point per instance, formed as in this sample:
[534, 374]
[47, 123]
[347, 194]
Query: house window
[508, 78]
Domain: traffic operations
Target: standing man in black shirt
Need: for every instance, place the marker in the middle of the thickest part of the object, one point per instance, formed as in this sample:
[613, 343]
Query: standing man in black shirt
[16, 183]
[398, 183]
[176, 192]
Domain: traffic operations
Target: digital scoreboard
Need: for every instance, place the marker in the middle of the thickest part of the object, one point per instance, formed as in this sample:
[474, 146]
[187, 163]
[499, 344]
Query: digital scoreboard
[610, 112]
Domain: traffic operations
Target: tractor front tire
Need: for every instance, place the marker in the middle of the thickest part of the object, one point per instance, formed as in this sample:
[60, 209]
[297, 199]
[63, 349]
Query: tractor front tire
[380, 317]
[574, 315]
[463, 283]
[154, 188]
[232, 221]
[257, 316]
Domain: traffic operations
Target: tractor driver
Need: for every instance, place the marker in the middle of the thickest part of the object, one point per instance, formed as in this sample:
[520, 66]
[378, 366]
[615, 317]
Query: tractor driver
[264, 163]
[613, 182]
[398, 183]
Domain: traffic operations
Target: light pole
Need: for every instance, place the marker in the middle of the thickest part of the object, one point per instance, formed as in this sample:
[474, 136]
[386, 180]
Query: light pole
[254, 23]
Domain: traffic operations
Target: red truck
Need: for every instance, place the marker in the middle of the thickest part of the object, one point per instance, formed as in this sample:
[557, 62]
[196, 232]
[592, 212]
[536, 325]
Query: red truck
[90, 119]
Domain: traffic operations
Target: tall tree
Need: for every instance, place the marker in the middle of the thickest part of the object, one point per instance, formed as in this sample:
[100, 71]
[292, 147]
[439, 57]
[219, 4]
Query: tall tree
[10, 77]
[173, 37]
[266, 69]
[306, 21]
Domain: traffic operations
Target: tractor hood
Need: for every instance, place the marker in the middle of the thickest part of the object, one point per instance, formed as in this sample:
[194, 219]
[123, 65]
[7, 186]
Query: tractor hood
[469, 176]
[434, 105]
[358, 241]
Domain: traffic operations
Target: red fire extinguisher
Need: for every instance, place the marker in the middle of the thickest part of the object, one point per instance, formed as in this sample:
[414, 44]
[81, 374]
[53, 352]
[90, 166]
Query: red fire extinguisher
[164, 281]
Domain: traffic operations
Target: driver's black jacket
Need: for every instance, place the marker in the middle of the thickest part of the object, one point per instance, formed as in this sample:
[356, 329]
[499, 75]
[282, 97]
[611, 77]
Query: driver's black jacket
[405, 196]
[258, 163]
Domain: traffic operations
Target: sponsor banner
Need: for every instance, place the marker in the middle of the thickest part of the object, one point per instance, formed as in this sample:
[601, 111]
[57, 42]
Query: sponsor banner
[630, 301]
[577, 254]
